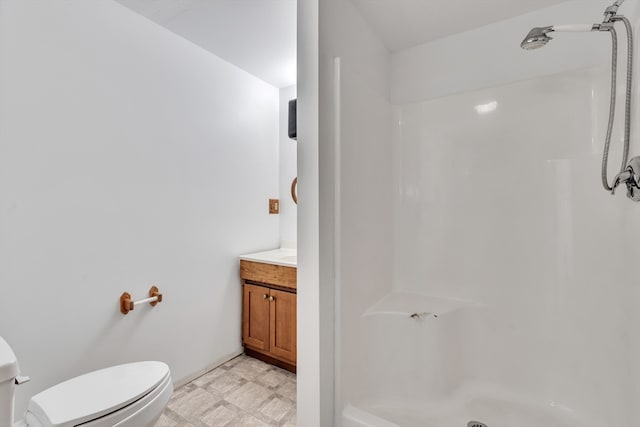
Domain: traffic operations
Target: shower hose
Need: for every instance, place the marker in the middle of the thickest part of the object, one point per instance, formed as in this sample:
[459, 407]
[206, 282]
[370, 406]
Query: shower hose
[612, 105]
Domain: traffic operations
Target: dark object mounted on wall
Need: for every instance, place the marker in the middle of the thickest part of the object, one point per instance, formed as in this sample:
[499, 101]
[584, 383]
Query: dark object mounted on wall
[293, 128]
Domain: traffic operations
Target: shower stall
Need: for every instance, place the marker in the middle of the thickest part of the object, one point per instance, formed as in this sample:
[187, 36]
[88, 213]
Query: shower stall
[482, 276]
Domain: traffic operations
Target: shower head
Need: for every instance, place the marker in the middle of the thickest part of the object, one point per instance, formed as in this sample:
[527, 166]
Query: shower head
[538, 37]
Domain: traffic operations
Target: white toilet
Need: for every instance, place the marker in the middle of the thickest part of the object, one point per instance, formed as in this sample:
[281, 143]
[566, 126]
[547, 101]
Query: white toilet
[129, 395]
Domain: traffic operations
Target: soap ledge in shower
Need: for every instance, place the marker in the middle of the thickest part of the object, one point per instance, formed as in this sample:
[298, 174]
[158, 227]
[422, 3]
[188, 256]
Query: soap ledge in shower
[354, 417]
[407, 303]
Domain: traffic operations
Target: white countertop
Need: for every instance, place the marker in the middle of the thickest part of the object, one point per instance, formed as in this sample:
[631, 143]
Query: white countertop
[283, 256]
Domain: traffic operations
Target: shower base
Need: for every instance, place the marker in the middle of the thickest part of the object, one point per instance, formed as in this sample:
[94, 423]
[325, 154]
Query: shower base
[491, 407]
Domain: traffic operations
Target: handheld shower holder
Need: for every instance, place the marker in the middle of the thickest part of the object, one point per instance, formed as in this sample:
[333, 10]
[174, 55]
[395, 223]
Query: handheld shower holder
[631, 178]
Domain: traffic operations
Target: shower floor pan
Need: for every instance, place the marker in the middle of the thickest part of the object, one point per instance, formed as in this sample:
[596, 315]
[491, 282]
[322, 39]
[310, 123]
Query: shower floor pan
[489, 407]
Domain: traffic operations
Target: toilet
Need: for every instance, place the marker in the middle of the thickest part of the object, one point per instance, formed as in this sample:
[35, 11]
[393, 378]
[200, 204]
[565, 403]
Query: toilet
[129, 395]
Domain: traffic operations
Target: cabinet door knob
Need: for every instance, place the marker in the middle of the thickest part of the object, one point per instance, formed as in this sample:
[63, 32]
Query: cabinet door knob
[265, 296]
[272, 298]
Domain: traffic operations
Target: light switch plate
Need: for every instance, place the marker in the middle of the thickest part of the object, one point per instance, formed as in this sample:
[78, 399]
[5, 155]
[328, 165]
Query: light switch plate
[274, 206]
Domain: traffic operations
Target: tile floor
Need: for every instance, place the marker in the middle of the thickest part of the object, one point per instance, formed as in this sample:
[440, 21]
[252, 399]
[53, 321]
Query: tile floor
[242, 392]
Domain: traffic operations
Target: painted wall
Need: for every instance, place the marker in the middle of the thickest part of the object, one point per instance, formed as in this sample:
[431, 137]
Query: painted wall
[288, 171]
[128, 157]
[310, 380]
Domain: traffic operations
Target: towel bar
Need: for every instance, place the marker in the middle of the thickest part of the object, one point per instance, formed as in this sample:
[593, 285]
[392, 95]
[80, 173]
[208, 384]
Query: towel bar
[126, 304]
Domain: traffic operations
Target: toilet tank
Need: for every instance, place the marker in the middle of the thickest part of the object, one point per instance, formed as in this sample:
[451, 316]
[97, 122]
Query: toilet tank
[8, 372]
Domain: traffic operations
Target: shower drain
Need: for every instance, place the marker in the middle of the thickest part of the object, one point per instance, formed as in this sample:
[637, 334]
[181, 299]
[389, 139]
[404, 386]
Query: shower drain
[476, 424]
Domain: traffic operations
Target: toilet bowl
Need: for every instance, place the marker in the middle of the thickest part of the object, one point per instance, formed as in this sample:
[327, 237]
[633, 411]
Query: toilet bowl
[129, 395]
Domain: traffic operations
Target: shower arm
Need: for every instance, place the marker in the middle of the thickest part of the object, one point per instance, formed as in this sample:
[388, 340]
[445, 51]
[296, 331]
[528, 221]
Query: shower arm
[575, 28]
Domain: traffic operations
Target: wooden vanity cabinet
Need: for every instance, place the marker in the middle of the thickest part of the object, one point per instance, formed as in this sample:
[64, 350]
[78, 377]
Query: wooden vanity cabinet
[269, 313]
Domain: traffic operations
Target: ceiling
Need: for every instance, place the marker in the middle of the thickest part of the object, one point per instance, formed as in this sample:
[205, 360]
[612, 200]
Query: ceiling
[407, 23]
[258, 36]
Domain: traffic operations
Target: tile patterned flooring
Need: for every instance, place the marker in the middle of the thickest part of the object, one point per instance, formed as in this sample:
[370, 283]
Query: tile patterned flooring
[242, 392]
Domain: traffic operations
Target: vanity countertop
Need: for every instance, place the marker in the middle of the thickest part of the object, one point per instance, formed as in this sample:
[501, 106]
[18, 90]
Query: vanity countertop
[283, 256]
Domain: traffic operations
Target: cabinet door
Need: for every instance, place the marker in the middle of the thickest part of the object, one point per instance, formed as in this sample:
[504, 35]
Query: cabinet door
[255, 317]
[283, 325]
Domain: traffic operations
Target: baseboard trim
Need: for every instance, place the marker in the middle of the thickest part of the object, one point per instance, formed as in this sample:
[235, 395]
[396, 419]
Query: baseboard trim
[185, 380]
[268, 359]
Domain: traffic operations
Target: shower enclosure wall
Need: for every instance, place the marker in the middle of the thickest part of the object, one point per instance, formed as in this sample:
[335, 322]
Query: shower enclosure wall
[466, 191]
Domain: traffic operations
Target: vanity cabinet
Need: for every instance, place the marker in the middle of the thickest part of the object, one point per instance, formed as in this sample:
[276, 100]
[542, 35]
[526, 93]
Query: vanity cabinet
[269, 312]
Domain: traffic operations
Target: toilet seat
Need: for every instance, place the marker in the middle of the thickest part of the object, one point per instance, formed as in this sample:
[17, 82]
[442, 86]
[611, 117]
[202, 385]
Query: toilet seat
[107, 397]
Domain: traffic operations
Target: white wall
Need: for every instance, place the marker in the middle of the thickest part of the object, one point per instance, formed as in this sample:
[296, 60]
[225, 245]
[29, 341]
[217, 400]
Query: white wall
[309, 378]
[288, 171]
[128, 157]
